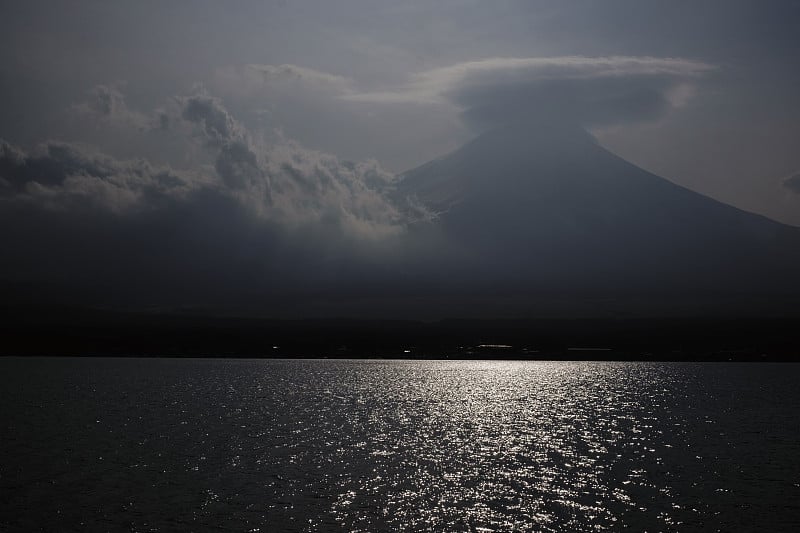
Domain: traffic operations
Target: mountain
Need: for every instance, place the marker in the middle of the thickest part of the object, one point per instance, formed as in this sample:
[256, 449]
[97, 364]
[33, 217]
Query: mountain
[550, 211]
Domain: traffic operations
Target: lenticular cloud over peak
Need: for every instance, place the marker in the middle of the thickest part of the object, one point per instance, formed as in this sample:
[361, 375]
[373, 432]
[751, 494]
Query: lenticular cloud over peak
[586, 90]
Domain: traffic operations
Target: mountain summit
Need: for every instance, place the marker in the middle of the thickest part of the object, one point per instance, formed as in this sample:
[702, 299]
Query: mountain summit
[551, 210]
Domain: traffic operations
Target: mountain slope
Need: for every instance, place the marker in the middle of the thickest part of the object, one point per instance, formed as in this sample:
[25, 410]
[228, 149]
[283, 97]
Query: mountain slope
[552, 210]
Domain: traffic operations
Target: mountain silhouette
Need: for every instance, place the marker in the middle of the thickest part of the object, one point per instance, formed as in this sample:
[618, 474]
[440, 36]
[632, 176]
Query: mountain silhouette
[549, 209]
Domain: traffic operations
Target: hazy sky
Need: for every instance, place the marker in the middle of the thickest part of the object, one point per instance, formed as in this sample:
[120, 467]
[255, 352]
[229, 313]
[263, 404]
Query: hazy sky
[172, 116]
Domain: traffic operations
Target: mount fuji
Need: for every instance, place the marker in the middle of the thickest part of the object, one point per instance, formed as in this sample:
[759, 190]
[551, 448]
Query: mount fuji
[548, 210]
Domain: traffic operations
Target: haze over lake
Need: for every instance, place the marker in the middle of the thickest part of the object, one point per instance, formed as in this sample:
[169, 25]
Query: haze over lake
[317, 445]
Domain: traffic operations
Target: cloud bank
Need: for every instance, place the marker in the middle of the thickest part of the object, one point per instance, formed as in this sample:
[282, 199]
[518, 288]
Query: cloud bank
[278, 179]
[249, 218]
[64, 176]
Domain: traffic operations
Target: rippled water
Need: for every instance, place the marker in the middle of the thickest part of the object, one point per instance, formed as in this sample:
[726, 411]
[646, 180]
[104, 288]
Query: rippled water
[251, 445]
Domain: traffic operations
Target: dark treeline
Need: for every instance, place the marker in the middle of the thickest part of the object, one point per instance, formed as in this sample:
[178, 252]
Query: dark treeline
[102, 333]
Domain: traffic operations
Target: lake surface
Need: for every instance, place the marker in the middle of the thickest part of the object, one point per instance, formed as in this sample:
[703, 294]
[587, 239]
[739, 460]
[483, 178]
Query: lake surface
[324, 445]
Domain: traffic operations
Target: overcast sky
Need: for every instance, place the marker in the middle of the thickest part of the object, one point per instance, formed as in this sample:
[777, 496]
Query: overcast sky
[260, 144]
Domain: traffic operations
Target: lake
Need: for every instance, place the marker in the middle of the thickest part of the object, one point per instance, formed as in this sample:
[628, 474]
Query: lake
[108, 444]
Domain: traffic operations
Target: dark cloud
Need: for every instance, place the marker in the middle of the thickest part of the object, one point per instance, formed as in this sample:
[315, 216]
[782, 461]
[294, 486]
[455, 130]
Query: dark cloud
[235, 163]
[12, 161]
[793, 183]
[238, 166]
[62, 175]
[281, 181]
[217, 124]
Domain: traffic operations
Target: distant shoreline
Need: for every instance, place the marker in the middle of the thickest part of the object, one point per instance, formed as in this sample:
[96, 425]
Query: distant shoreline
[98, 333]
[688, 359]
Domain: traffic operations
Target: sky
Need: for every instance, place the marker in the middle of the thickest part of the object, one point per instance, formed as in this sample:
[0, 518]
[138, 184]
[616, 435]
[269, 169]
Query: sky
[267, 138]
